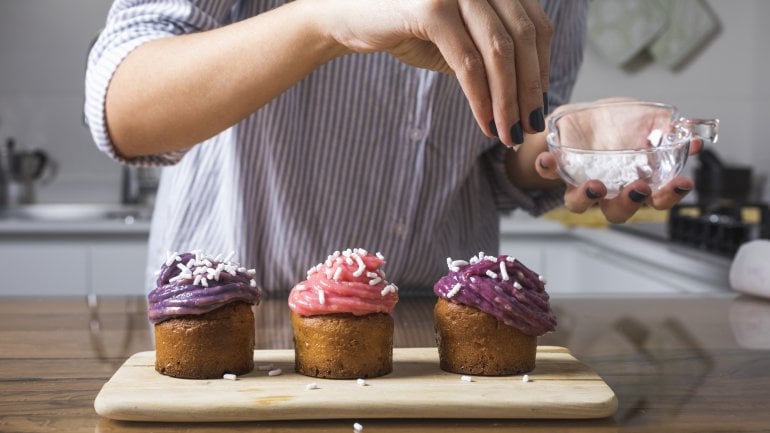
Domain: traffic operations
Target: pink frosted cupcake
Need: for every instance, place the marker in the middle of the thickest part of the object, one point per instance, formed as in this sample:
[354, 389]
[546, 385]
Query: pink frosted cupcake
[341, 318]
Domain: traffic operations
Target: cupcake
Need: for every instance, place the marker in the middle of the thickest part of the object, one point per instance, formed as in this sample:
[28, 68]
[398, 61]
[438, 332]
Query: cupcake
[489, 313]
[201, 310]
[341, 318]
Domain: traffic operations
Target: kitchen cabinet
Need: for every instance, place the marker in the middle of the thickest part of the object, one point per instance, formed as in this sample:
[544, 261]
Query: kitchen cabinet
[73, 258]
[588, 260]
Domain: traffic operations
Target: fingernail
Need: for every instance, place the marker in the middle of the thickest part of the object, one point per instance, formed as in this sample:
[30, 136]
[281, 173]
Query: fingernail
[536, 120]
[493, 127]
[590, 193]
[545, 102]
[681, 191]
[541, 164]
[517, 134]
[637, 196]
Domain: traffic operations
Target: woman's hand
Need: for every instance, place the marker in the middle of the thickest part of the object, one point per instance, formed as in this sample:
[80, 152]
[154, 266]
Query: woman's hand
[499, 50]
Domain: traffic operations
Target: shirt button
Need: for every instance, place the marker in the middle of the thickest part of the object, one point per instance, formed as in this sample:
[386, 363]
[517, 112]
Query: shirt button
[416, 134]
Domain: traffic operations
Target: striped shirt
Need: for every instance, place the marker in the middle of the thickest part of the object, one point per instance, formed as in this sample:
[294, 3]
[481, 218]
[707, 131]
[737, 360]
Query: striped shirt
[364, 152]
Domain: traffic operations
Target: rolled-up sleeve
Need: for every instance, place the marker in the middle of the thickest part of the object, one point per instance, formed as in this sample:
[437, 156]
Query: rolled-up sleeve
[569, 21]
[129, 24]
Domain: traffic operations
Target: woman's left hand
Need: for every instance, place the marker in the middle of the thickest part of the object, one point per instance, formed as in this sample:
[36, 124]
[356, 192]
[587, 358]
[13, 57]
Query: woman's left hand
[622, 207]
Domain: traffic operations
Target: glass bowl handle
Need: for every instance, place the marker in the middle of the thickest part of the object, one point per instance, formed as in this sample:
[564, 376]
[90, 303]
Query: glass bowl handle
[705, 129]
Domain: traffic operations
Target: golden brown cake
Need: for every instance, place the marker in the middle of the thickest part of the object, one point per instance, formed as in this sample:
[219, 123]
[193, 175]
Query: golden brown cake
[343, 346]
[488, 316]
[203, 317]
[341, 318]
[208, 345]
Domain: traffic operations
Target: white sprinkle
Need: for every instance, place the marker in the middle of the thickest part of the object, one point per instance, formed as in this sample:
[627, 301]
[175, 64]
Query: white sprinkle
[372, 274]
[253, 283]
[265, 367]
[516, 285]
[542, 279]
[474, 260]
[204, 282]
[251, 272]
[310, 386]
[466, 378]
[347, 252]
[300, 287]
[229, 376]
[525, 378]
[491, 273]
[348, 260]
[276, 372]
[197, 280]
[329, 273]
[510, 259]
[156, 273]
[473, 279]
[456, 288]
[361, 382]
[457, 263]
[492, 259]
[190, 263]
[654, 137]
[361, 251]
[183, 268]
[321, 297]
[375, 281]
[454, 269]
[379, 255]
[207, 262]
[361, 265]
[337, 273]
[390, 288]
[357, 427]
[481, 255]
[504, 271]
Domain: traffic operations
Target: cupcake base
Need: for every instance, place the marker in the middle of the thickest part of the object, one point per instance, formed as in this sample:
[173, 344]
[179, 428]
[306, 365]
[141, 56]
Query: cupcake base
[207, 346]
[343, 346]
[471, 341]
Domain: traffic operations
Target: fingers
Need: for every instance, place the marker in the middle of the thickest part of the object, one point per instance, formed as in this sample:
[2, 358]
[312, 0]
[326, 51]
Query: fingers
[671, 193]
[501, 62]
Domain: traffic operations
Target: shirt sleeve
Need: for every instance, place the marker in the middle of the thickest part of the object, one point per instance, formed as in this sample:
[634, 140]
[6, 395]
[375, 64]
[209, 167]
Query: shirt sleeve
[569, 21]
[131, 23]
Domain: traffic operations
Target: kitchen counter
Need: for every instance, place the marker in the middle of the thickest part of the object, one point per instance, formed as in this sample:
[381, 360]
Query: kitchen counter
[677, 363]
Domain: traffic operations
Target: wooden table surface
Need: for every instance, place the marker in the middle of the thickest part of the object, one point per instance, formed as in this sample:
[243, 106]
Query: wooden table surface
[681, 363]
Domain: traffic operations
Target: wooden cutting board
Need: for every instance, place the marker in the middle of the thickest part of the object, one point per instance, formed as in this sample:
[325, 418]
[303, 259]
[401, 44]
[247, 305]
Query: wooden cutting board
[559, 387]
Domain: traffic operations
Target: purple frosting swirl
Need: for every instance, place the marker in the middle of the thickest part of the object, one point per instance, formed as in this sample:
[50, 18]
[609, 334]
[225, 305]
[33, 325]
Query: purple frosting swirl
[192, 284]
[515, 295]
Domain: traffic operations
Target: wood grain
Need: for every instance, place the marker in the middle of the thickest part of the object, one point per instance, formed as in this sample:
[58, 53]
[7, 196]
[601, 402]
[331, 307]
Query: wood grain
[560, 387]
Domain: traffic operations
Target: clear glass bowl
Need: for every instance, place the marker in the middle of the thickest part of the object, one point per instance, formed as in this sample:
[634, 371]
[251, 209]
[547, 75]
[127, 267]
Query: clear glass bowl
[621, 141]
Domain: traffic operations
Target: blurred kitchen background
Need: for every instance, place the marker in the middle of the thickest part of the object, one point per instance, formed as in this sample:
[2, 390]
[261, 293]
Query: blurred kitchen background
[707, 57]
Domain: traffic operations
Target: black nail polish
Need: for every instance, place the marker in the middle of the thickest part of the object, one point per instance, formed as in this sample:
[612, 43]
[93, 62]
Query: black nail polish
[493, 127]
[636, 196]
[681, 191]
[545, 102]
[536, 120]
[590, 193]
[517, 133]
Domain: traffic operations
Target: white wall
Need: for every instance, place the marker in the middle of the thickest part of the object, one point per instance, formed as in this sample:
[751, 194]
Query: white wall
[727, 80]
[43, 48]
[43, 45]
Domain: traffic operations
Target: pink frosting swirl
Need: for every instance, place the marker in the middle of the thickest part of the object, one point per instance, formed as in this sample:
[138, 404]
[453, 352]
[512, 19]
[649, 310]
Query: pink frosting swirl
[348, 282]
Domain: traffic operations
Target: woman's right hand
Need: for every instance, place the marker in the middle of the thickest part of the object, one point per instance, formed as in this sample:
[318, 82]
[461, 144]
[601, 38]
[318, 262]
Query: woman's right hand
[499, 50]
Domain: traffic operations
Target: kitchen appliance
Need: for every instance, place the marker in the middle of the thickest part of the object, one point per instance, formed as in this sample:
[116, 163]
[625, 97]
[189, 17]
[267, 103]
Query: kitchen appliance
[724, 216]
[22, 171]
